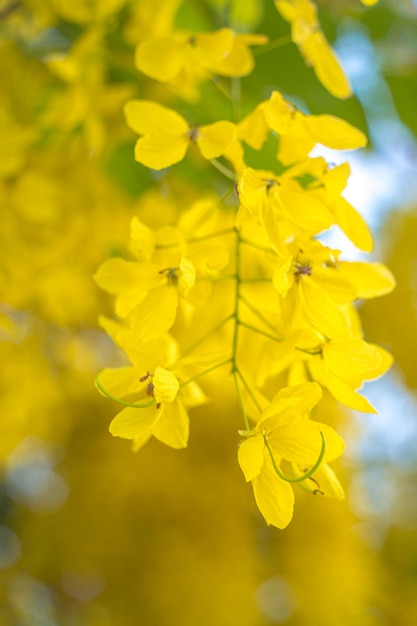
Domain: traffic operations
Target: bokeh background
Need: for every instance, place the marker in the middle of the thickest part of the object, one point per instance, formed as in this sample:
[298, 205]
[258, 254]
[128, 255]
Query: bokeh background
[90, 533]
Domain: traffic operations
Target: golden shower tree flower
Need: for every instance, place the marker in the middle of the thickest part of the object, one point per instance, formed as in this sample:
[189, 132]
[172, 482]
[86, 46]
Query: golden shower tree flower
[316, 287]
[158, 405]
[308, 36]
[343, 367]
[146, 293]
[284, 433]
[282, 200]
[298, 133]
[166, 135]
[223, 53]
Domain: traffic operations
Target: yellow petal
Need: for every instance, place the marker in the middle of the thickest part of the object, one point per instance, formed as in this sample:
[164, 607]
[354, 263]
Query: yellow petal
[304, 208]
[347, 396]
[166, 385]
[281, 277]
[307, 395]
[237, 62]
[160, 151]
[236, 155]
[334, 132]
[117, 275]
[326, 65]
[274, 497]
[139, 442]
[121, 381]
[322, 312]
[145, 116]
[338, 387]
[252, 189]
[336, 284]
[172, 428]
[186, 277]
[288, 10]
[353, 224]
[142, 240]
[356, 361]
[146, 356]
[161, 59]
[214, 139]
[132, 423]
[253, 129]
[250, 456]
[369, 3]
[279, 114]
[370, 279]
[127, 280]
[294, 147]
[300, 442]
[212, 47]
[156, 313]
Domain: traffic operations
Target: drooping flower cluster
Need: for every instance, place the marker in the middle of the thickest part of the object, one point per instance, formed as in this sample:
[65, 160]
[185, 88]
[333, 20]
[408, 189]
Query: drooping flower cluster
[242, 285]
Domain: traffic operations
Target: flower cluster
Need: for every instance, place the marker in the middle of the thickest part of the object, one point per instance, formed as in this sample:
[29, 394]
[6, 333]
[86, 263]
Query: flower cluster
[242, 286]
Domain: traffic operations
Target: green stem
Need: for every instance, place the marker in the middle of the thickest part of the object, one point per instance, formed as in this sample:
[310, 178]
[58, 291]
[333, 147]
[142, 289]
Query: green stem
[239, 395]
[216, 278]
[224, 170]
[260, 332]
[249, 390]
[120, 401]
[256, 280]
[207, 371]
[219, 233]
[235, 369]
[219, 85]
[299, 479]
[236, 96]
[258, 246]
[312, 352]
[272, 45]
[204, 338]
[315, 491]
[237, 301]
[257, 313]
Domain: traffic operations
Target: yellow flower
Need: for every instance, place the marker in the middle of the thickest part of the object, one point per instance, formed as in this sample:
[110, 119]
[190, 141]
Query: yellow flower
[284, 433]
[308, 36]
[315, 286]
[160, 403]
[369, 3]
[166, 135]
[223, 52]
[282, 200]
[330, 183]
[298, 133]
[147, 293]
[345, 365]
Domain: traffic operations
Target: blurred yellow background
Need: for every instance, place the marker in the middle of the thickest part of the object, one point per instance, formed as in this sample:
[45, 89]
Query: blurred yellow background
[90, 533]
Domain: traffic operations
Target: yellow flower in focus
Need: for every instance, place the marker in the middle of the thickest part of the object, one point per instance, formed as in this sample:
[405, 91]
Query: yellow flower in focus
[345, 365]
[147, 293]
[167, 136]
[308, 36]
[281, 200]
[284, 433]
[369, 3]
[154, 388]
